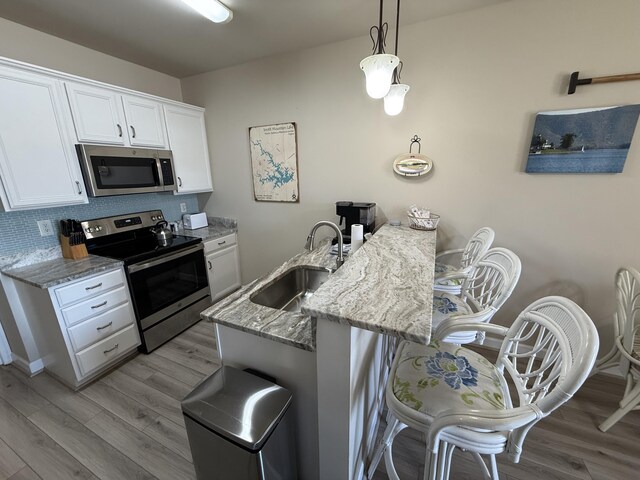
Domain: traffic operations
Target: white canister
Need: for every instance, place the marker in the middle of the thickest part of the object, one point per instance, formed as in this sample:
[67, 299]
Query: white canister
[357, 234]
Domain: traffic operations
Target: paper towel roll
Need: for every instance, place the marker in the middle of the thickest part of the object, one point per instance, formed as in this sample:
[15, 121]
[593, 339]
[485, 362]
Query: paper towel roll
[357, 233]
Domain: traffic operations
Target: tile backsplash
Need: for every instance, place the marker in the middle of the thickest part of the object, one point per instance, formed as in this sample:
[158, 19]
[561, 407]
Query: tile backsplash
[19, 230]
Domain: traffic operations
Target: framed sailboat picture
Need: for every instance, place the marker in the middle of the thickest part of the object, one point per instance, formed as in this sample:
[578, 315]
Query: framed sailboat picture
[589, 140]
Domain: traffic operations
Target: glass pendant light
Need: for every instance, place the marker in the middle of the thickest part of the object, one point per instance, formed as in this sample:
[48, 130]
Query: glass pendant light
[379, 67]
[394, 100]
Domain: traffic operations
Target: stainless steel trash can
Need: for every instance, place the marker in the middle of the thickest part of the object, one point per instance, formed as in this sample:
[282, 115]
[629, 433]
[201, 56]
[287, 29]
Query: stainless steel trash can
[239, 428]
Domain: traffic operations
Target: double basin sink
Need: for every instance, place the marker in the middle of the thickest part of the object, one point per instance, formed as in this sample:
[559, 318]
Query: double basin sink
[290, 290]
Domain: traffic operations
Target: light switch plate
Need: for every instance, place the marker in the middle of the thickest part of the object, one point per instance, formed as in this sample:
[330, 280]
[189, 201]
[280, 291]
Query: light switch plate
[45, 227]
[183, 207]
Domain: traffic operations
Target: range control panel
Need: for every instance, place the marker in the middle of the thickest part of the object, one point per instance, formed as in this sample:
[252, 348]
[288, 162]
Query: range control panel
[123, 223]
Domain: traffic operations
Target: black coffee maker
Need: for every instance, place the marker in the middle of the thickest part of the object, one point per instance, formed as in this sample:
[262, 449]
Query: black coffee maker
[352, 212]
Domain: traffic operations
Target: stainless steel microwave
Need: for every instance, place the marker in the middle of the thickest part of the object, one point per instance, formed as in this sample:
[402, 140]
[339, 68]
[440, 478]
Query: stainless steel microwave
[125, 170]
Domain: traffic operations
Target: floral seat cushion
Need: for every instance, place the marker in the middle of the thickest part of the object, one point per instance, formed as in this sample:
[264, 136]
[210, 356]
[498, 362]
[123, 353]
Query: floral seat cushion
[433, 378]
[635, 349]
[443, 268]
[447, 305]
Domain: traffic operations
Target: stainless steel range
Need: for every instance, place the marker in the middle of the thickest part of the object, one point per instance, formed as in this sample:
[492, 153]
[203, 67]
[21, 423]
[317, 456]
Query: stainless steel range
[168, 283]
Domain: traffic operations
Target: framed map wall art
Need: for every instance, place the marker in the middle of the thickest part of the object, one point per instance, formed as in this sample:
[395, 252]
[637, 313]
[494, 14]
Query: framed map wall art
[274, 162]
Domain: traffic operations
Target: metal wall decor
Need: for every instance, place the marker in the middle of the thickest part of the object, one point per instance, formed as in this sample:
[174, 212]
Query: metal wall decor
[412, 164]
[574, 81]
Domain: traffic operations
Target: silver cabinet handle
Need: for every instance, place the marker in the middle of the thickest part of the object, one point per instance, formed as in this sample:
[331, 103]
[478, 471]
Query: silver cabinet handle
[222, 242]
[79, 189]
[119, 130]
[100, 305]
[94, 286]
[105, 326]
[111, 349]
[179, 182]
[133, 131]
[210, 266]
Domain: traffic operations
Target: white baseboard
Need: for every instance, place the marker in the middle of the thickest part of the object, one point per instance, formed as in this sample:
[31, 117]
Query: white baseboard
[30, 368]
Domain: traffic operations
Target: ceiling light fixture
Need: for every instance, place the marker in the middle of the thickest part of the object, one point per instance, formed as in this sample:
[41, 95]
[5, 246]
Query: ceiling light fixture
[394, 100]
[379, 67]
[211, 9]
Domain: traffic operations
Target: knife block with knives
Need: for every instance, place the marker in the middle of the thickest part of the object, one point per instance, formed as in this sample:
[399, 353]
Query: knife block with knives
[72, 240]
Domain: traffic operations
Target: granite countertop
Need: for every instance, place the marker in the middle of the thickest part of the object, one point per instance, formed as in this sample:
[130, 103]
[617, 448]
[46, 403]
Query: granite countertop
[295, 329]
[386, 287]
[50, 273]
[218, 227]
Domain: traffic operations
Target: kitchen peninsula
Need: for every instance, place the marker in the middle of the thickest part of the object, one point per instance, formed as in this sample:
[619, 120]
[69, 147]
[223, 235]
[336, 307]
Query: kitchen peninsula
[330, 353]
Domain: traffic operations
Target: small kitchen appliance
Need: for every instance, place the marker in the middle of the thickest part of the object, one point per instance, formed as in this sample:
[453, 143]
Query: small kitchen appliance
[168, 283]
[192, 221]
[356, 213]
[126, 170]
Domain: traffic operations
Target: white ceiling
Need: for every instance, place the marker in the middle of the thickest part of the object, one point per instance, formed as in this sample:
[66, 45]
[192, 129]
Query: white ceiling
[166, 35]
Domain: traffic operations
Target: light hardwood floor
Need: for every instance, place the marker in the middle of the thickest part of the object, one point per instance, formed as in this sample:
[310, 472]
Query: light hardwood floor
[128, 425]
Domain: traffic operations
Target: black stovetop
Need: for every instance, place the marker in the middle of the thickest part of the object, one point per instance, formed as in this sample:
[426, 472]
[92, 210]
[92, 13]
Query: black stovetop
[134, 247]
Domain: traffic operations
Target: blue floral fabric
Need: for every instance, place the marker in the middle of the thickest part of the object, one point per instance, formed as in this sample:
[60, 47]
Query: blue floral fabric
[447, 305]
[454, 370]
[442, 376]
[444, 304]
[442, 268]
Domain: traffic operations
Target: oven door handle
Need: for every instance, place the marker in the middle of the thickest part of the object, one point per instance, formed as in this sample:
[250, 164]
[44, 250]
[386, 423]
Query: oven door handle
[136, 267]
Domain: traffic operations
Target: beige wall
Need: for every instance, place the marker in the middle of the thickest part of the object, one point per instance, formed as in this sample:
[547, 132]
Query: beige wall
[477, 79]
[28, 45]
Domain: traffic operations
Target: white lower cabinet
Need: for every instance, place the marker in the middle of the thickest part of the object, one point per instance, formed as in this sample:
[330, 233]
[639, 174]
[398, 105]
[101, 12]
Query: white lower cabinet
[223, 266]
[108, 350]
[83, 327]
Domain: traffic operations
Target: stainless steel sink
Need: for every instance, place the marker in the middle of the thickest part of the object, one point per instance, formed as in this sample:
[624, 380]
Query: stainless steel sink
[290, 290]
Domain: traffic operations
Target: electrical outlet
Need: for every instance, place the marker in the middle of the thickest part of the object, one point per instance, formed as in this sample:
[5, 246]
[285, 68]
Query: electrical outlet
[183, 207]
[45, 227]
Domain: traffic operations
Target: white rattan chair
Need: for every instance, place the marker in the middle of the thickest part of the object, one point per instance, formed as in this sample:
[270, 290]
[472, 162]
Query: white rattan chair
[625, 353]
[453, 266]
[492, 281]
[459, 399]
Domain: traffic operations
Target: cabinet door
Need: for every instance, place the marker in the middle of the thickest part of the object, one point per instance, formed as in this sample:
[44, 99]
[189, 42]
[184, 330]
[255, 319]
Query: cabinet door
[145, 122]
[97, 114]
[38, 163]
[223, 269]
[188, 142]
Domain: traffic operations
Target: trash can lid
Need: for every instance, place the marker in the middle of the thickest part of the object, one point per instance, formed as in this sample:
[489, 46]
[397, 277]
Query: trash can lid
[239, 406]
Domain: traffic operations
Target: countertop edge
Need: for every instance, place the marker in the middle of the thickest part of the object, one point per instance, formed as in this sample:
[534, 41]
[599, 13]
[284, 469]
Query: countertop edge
[262, 334]
[69, 278]
[365, 326]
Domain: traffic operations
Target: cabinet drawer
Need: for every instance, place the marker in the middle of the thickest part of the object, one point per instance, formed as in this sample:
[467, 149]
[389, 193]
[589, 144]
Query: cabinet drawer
[89, 288]
[94, 306]
[100, 327]
[219, 243]
[108, 349]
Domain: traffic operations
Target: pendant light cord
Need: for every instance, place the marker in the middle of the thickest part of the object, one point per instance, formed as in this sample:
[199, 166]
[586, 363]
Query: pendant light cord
[398, 69]
[397, 25]
[378, 34]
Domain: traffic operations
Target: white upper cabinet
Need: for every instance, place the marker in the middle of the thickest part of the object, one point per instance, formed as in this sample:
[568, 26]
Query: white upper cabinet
[38, 162]
[145, 122]
[188, 142]
[98, 116]
[101, 115]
